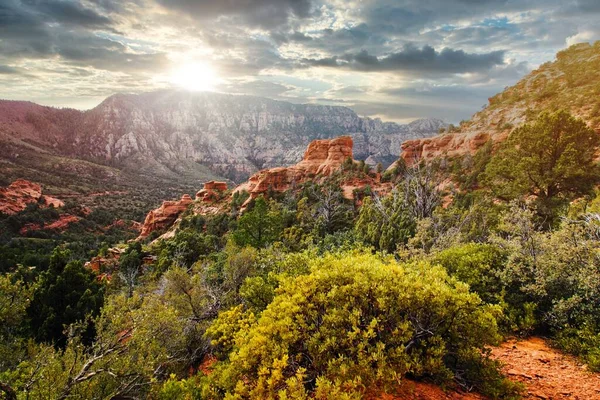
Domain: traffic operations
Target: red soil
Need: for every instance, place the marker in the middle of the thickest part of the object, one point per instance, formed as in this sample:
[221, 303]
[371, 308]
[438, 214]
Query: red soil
[546, 372]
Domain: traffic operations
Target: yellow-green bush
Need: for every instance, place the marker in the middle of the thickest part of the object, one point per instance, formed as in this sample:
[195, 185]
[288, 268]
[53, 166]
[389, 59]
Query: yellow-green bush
[355, 321]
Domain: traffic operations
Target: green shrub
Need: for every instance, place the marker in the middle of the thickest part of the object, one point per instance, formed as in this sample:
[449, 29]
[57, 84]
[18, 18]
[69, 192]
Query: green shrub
[478, 265]
[356, 320]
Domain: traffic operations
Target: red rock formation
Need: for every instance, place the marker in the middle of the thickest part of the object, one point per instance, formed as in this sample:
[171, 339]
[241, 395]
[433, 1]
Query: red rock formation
[17, 195]
[164, 216]
[447, 145]
[322, 158]
[61, 224]
[212, 191]
[326, 156]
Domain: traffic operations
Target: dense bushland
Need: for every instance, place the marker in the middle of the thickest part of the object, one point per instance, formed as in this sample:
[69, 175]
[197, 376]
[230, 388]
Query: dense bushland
[309, 295]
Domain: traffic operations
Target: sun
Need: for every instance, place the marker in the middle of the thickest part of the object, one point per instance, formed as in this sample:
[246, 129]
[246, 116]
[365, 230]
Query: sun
[195, 76]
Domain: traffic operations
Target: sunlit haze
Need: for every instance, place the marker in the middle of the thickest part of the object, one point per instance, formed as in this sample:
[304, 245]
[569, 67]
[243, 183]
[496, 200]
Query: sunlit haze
[195, 76]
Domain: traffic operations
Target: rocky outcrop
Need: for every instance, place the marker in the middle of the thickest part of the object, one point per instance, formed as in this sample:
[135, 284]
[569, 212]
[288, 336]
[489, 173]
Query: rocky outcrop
[212, 191]
[322, 157]
[61, 224]
[17, 195]
[447, 145]
[164, 216]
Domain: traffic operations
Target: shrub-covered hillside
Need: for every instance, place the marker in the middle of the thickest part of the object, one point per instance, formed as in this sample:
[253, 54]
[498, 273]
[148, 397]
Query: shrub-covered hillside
[570, 82]
[305, 294]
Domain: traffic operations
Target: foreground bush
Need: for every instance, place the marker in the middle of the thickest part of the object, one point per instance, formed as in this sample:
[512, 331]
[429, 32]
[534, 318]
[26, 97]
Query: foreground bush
[356, 322]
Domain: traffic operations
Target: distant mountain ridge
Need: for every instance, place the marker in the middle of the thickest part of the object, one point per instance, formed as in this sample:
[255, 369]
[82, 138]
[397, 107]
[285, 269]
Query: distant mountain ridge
[181, 134]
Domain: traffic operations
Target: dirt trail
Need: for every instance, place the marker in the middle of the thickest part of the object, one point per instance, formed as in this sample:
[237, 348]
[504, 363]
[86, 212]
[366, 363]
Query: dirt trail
[546, 372]
[411, 390]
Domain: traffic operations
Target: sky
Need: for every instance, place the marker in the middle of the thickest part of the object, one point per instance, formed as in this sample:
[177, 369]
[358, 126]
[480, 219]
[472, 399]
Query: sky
[397, 60]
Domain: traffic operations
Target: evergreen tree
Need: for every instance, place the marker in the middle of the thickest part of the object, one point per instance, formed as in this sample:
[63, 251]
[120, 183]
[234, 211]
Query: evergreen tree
[66, 293]
[385, 223]
[551, 160]
[259, 226]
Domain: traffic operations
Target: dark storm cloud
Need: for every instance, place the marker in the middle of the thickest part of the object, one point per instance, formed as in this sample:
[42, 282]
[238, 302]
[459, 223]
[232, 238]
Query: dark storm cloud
[6, 70]
[411, 58]
[22, 30]
[588, 5]
[264, 13]
[48, 28]
[68, 12]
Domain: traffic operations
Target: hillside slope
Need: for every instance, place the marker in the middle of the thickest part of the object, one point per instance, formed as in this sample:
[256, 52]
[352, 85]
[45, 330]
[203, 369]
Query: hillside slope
[571, 82]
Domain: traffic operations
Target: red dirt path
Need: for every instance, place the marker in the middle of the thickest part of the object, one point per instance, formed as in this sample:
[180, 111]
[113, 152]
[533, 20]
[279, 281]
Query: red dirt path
[546, 373]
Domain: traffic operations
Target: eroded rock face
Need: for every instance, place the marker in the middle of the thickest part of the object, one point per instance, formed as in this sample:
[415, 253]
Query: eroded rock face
[164, 216]
[447, 145]
[322, 157]
[17, 195]
[212, 191]
[326, 156]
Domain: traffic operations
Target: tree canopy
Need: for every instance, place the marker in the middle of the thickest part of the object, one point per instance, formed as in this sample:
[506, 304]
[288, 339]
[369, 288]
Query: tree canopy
[551, 159]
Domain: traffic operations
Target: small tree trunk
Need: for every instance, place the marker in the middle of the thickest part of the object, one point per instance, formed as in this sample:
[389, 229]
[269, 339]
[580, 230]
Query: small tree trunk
[9, 393]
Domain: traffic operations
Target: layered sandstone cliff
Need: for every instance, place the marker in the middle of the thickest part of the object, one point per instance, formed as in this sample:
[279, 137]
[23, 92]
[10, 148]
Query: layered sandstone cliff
[321, 159]
[447, 145]
[212, 191]
[167, 214]
[198, 136]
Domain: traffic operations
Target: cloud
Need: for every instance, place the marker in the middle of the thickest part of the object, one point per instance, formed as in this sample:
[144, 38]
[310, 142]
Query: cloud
[106, 54]
[6, 70]
[390, 58]
[413, 59]
[256, 88]
[263, 13]
[583, 36]
[69, 12]
[66, 29]
[586, 6]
